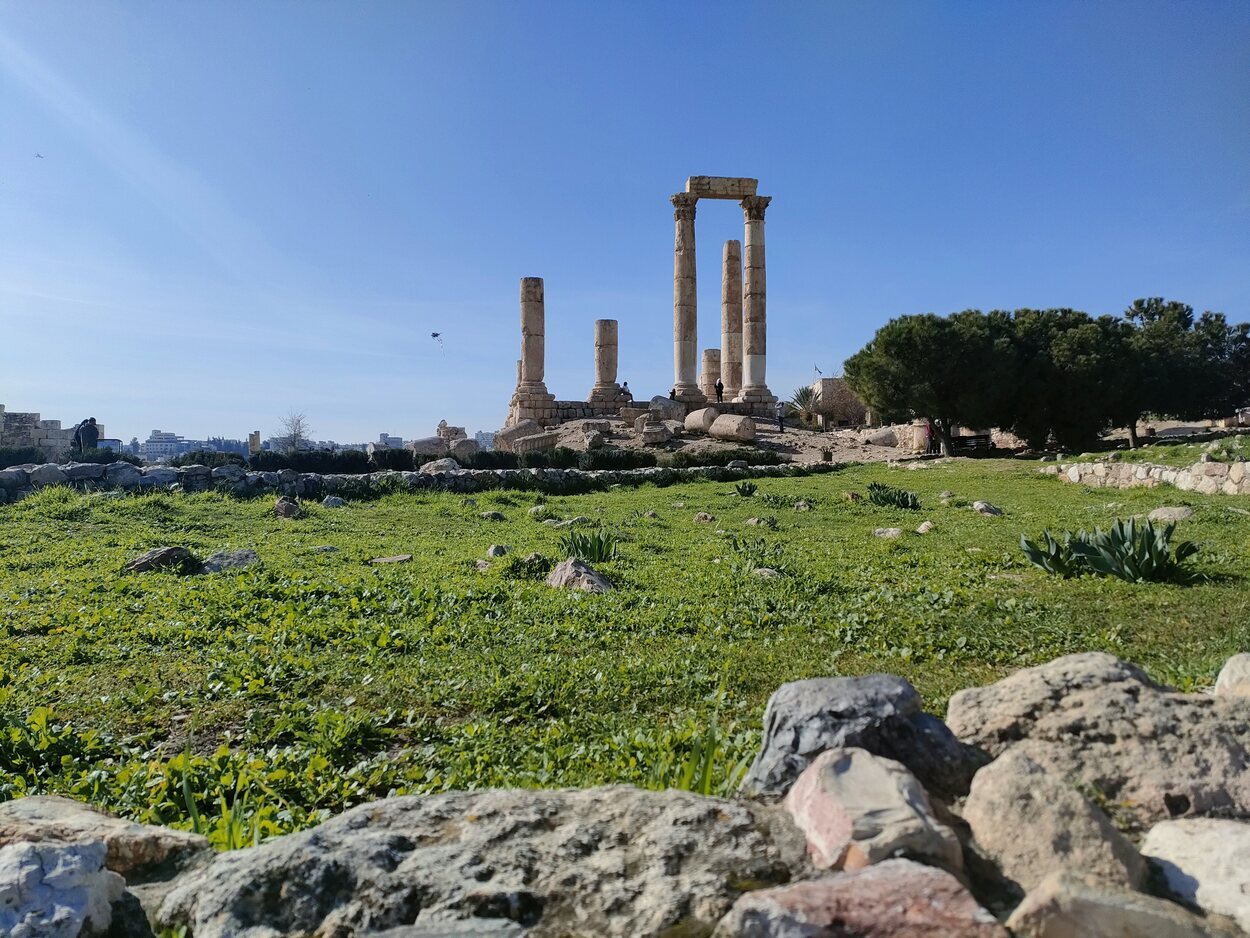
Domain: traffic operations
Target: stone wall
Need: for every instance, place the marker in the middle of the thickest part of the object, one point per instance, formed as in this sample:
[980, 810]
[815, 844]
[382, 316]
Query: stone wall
[18, 482]
[26, 429]
[1205, 478]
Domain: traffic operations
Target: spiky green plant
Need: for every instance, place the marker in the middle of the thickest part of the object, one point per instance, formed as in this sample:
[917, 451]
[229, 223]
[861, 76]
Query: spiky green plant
[804, 400]
[890, 497]
[1136, 552]
[746, 489]
[591, 546]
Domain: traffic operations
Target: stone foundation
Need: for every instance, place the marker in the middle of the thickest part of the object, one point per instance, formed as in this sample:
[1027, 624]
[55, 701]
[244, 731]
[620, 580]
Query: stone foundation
[1205, 478]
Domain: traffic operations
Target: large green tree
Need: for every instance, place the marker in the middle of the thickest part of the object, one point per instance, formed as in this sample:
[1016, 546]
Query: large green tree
[941, 368]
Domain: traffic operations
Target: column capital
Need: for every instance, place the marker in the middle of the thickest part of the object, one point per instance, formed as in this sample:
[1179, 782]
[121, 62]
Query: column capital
[683, 206]
[753, 206]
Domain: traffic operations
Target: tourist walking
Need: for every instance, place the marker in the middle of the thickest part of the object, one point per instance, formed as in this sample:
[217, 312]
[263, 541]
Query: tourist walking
[720, 391]
[781, 416]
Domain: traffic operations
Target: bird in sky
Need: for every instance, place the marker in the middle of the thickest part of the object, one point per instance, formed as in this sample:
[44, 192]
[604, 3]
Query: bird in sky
[438, 337]
[38, 156]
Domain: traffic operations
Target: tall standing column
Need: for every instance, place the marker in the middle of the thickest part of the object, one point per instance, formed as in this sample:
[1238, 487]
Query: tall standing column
[685, 287]
[533, 332]
[531, 401]
[731, 320]
[606, 390]
[754, 312]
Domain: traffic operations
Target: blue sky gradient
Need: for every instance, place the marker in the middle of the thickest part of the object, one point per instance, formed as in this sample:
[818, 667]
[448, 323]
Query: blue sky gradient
[248, 208]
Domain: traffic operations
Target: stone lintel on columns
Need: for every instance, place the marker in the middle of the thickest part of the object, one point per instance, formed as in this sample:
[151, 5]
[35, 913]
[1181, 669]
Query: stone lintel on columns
[721, 187]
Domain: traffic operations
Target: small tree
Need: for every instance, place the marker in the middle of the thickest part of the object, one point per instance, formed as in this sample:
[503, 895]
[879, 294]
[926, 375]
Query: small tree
[295, 433]
[804, 401]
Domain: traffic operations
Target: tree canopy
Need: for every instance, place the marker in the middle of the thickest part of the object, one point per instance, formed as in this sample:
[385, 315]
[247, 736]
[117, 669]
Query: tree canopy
[1054, 374]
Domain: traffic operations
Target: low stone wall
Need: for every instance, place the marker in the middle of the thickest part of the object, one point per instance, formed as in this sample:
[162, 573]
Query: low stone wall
[18, 482]
[1205, 478]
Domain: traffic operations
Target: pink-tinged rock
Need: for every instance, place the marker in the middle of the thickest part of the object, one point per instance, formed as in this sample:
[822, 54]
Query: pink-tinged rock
[856, 809]
[894, 899]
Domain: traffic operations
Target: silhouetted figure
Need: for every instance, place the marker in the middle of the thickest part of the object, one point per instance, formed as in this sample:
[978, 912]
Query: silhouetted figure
[781, 416]
[75, 445]
[89, 435]
[672, 395]
[720, 391]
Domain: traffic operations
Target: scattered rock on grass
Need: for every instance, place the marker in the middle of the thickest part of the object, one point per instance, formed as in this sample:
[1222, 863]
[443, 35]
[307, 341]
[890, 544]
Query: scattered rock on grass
[333, 501]
[286, 507]
[538, 510]
[887, 532]
[1234, 678]
[481, 565]
[802, 505]
[852, 497]
[985, 508]
[573, 574]
[1169, 514]
[230, 560]
[496, 550]
[398, 558]
[493, 516]
[650, 514]
[766, 573]
[703, 517]
[925, 527]
[175, 559]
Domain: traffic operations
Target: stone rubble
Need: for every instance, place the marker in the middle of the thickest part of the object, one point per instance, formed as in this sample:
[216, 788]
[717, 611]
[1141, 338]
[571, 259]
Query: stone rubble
[860, 816]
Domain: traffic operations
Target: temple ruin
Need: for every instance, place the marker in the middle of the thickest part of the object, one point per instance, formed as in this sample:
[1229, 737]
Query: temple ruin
[740, 363]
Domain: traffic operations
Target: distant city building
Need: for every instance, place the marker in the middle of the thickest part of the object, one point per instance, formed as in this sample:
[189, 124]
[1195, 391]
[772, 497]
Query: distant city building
[161, 444]
[485, 439]
[389, 439]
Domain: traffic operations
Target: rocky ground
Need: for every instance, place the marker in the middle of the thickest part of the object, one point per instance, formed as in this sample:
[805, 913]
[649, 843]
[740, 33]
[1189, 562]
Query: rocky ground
[794, 443]
[1076, 799]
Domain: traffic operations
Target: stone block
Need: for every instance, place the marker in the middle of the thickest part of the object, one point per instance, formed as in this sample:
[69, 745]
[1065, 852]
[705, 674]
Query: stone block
[731, 427]
[721, 187]
[536, 442]
[667, 409]
[701, 420]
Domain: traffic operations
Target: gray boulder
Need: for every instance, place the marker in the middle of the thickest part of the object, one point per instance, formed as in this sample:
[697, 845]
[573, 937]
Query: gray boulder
[13, 478]
[572, 574]
[666, 409]
[159, 476]
[879, 712]
[1095, 720]
[47, 474]
[1234, 677]
[229, 473]
[83, 471]
[613, 861]
[123, 475]
[176, 559]
[230, 560]
[440, 465]
[1205, 862]
[333, 501]
[1171, 513]
[52, 890]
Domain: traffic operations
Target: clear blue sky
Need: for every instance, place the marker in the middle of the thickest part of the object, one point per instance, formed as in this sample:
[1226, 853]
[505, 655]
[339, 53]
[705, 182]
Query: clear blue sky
[251, 207]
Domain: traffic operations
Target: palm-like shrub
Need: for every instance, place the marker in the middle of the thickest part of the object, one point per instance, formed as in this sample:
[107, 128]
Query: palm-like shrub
[891, 497]
[590, 546]
[804, 400]
[746, 489]
[1136, 552]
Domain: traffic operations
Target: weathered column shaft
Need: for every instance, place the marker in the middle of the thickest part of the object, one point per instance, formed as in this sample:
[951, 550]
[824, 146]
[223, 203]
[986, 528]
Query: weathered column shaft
[533, 331]
[754, 306]
[709, 372]
[605, 352]
[685, 288]
[731, 319]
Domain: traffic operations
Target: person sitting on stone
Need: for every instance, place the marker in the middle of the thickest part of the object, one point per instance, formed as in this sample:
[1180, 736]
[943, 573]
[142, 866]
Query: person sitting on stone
[89, 435]
[672, 394]
[720, 391]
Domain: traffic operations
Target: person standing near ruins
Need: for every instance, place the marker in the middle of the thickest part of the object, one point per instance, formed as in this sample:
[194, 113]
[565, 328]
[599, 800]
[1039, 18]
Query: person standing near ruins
[720, 391]
[75, 445]
[781, 416]
[88, 435]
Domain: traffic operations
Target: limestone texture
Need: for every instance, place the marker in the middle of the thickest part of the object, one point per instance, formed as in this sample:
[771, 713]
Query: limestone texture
[575, 575]
[1171, 514]
[894, 899]
[56, 890]
[1095, 720]
[229, 560]
[1205, 862]
[856, 809]
[1032, 824]
[733, 427]
[612, 861]
[701, 420]
[1234, 677]
[1067, 905]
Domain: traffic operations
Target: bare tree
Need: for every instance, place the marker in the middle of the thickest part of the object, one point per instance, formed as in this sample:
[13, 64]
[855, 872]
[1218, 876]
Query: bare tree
[295, 434]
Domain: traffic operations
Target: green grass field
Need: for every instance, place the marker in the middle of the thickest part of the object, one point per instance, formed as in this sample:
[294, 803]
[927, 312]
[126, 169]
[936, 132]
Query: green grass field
[253, 703]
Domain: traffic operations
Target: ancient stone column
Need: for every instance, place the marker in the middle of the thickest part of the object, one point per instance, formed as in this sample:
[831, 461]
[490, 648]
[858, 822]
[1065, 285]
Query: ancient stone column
[533, 331]
[685, 316]
[709, 373]
[731, 320]
[754, 327]
[606, 390]
[531, 401]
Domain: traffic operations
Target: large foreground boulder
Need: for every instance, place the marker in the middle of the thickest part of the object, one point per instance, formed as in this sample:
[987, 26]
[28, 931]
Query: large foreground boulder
[666, 409]
[894, 899]
[613, 861]
[1205, 862]
[1100, 722]
[879, 712]
[50, 890]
